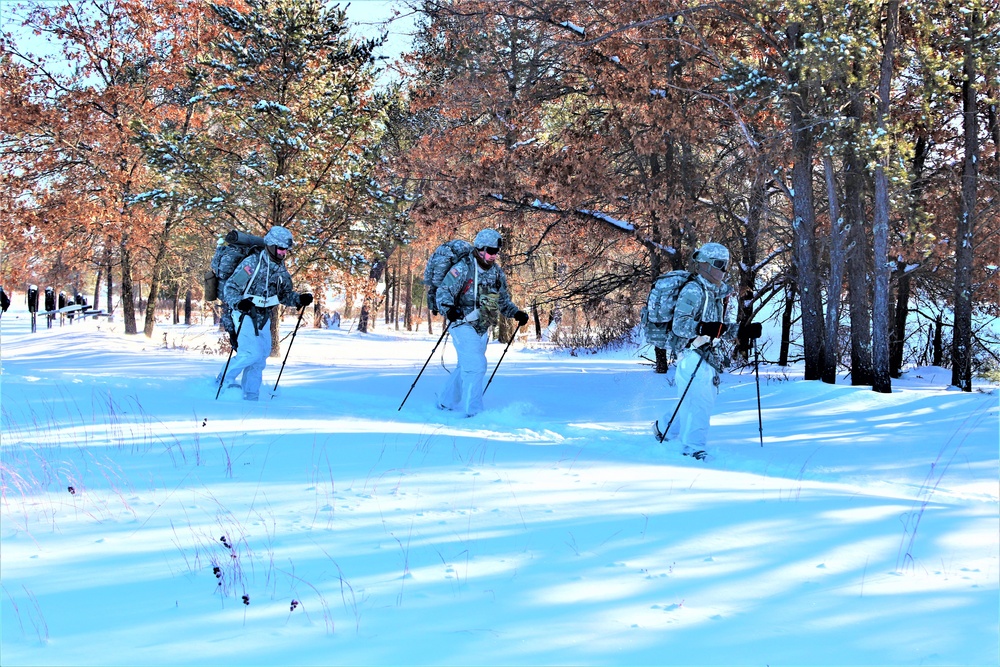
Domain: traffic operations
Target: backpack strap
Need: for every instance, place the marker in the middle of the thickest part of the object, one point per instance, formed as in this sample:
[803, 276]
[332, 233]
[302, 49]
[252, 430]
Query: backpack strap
[692, 277]
[260, 258]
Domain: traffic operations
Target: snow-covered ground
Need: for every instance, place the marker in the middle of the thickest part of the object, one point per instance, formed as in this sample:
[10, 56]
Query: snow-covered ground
[137, 511]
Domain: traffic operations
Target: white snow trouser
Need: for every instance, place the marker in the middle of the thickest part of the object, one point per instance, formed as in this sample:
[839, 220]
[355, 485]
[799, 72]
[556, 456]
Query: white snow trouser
[251, 355]
[463, 391]
[690, 426]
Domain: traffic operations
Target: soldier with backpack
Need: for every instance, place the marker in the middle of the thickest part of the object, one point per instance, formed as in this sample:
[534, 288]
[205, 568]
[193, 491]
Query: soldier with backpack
[702, 318]
[259, 283]
[230, 251]
[472, 294]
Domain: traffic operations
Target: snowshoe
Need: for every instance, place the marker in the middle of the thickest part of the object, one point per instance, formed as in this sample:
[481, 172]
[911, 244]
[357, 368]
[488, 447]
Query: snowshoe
[699, 454]
[657, 433]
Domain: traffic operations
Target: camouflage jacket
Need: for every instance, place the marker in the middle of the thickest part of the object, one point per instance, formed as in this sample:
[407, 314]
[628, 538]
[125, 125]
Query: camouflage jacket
[266, 281]
[701, 301]
[492, 299]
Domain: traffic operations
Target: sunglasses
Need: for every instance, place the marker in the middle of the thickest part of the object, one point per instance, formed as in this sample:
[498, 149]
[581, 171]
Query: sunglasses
[720, 264]
[491, 250]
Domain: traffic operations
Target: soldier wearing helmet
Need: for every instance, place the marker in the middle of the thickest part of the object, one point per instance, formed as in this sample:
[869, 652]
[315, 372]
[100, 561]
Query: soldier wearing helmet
[259, 283]
[704, 317]
[473, 295]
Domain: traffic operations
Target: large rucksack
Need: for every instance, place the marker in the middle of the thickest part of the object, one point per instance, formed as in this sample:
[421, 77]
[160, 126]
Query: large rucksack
[440, 262]
[658, 313]
[236, 247]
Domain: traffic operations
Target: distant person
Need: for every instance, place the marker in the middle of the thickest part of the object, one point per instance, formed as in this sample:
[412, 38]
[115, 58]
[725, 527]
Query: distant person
[331, 321]
[472, 296]
[259, 283]
[705, 317]
[4, 301]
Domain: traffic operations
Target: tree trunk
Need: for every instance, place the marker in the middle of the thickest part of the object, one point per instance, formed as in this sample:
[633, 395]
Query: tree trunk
[275, 324]
[370, 303]
[187, 308]
[349, 296]
[938, 342]
[961, 345]
[921, 150]
[804, 222]
[389, 291]
[750, 253]
[408, 293]
[786, 323]
[835, 281]
[159, 267]
[881, 380]
[857, 270]
[901, 310]
[97, 288]
[128, 297]
[110, 276]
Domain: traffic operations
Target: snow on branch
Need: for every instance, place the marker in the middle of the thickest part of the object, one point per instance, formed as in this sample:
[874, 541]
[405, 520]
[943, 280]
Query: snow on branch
[569, 25]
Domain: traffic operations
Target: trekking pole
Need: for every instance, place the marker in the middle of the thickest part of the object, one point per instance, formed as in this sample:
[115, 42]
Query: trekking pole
[448, 324]
[222, 380]
[302, 311]
[512, 337]
[701, 358]
[756, 373]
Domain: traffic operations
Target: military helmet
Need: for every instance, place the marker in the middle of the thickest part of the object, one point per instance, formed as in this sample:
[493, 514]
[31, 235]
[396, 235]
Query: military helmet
[488, 238]
[711, 251]
[279, 237]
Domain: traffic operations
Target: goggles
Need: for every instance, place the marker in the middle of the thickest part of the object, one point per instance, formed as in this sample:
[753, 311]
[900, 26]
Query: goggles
[491, 250]
[720, 264]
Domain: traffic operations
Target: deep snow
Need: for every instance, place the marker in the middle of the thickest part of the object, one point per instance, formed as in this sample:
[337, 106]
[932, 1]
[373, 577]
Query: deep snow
[550, 529]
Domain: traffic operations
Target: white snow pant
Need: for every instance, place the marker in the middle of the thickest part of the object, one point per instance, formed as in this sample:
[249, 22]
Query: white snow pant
[690, 426]
[251, 355]
[463, 392]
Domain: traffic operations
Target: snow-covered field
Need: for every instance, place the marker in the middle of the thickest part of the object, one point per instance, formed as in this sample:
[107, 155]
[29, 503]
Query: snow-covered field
[137, 512]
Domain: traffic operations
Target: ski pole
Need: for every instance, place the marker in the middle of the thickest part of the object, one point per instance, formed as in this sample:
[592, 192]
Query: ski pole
[701, 358]
[447, 324]
[222, 380]
[512, 337]
[760, 419]
[302, 311]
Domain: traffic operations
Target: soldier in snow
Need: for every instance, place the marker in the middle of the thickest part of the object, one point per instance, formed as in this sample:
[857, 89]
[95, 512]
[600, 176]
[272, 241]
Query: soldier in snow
[704, 317]
[259, 283]
[472, 296]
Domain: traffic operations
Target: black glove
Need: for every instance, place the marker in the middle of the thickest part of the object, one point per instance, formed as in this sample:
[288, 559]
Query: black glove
[233, 340]
[521, 317]
[453, 314]
[305, 299]
[749, 330]
[245, 305]
[711, 329]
